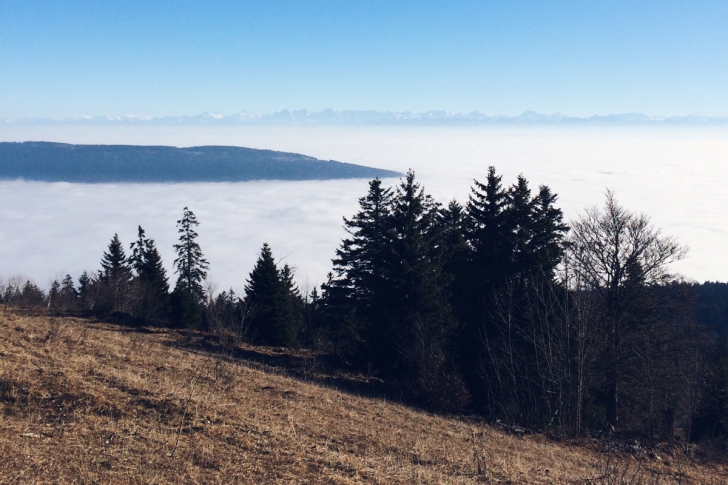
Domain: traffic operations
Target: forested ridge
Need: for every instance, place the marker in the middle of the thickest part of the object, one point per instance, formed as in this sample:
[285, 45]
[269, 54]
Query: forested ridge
[52, 162]
[496, 306]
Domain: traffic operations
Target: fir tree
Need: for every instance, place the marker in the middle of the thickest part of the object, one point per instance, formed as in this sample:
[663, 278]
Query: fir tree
[190, 265]
[153, 271]
[115, 277]
[138, 247]
[114, 264]
[54, 295]
[31, 296]
[519, 224]
[84, 291]
[389, 280]
[350, 295]
[68, 293]
[417, 311]
[268, 295]
[513, 239]
[360, 254]
[152, 282]
[488, 235]
[549, 231]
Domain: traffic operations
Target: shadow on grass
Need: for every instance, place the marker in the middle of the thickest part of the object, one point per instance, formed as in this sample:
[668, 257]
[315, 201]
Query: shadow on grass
[301, 365]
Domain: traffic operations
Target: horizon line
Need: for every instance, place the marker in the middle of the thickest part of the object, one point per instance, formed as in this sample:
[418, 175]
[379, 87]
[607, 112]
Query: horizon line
[331, 116]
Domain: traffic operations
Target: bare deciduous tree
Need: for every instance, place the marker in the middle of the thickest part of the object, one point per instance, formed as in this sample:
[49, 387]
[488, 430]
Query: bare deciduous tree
[619, 255]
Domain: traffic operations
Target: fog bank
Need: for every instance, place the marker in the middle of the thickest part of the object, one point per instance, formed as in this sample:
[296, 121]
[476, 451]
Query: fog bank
[675, 175]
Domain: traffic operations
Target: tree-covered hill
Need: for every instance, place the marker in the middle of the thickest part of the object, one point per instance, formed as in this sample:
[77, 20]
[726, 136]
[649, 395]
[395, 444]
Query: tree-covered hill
[54, 162]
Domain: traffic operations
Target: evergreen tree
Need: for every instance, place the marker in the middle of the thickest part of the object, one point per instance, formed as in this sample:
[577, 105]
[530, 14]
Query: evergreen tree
[488, 235]
[515, 242]
[84, 291]
[549, 231]
[115, 277]
[519, 225]
[153, 272]
[268, 296]
[414, 277]
[487, 253]
[364, 251]
[68, 293]
[311, 318]
[456, 253]
[31, 296]
[114, 266]
[54, 295]
[191, 267]
[287, 277]
[136, 259]
[351, 297]
[294, 295]
[151, 280]
[389, 282]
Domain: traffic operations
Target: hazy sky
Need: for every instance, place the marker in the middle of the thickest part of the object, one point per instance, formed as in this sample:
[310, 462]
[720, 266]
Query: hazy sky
[71, 58]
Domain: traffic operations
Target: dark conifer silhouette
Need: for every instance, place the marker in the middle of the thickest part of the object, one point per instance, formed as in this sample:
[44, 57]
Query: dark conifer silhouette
[350, 297]
[54, 296]
[152, 284]
[68, 295]
[191, 268]
[413, 289]
[84, 291]
[268, 294]
[114, 277]
[114, 265]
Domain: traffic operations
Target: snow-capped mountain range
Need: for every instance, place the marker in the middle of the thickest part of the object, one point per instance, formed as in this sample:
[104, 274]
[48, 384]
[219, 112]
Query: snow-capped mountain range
[370, 117]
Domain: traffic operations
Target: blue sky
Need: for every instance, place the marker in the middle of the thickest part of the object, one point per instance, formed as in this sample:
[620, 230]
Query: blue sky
[71, 58]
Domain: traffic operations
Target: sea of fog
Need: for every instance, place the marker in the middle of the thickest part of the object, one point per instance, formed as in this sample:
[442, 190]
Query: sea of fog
[676, 175]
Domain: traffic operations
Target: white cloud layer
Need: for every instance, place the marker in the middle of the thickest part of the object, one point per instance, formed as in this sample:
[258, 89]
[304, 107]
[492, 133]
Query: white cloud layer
[675, 175]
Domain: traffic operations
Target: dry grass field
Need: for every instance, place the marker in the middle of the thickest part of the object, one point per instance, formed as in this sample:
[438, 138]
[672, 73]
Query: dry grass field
[88, 402]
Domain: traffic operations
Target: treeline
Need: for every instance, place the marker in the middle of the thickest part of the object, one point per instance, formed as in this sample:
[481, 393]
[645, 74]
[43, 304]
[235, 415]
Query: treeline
[495, 306]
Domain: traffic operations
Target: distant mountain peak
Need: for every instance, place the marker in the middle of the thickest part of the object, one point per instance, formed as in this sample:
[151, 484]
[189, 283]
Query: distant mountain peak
[331, 116]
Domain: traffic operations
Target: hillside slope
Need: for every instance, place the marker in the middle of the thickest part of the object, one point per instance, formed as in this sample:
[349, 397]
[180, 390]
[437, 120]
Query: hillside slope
[61, 162]
[86, 402]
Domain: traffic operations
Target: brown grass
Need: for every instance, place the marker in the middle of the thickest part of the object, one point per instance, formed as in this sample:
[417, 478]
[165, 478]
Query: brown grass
[84, 402]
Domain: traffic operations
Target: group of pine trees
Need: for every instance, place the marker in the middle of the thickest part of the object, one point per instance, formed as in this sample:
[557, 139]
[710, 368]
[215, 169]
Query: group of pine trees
[413, 284]
[496, 306]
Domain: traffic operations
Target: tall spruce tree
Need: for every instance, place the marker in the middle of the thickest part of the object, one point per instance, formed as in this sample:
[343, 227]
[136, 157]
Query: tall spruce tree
[114, 279]
[487, 238]
[191, 268]
[85, 298]
[268, 295]
[191, 265]
[351, 297]
[456, 253]
[390, 269]
[549, 231]
[54, 296]
[136, 259]
[362, 254]
[488, 235]
[151, 277]
[515, 242]
[415, 266]
[114, 265]
[68, 293]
